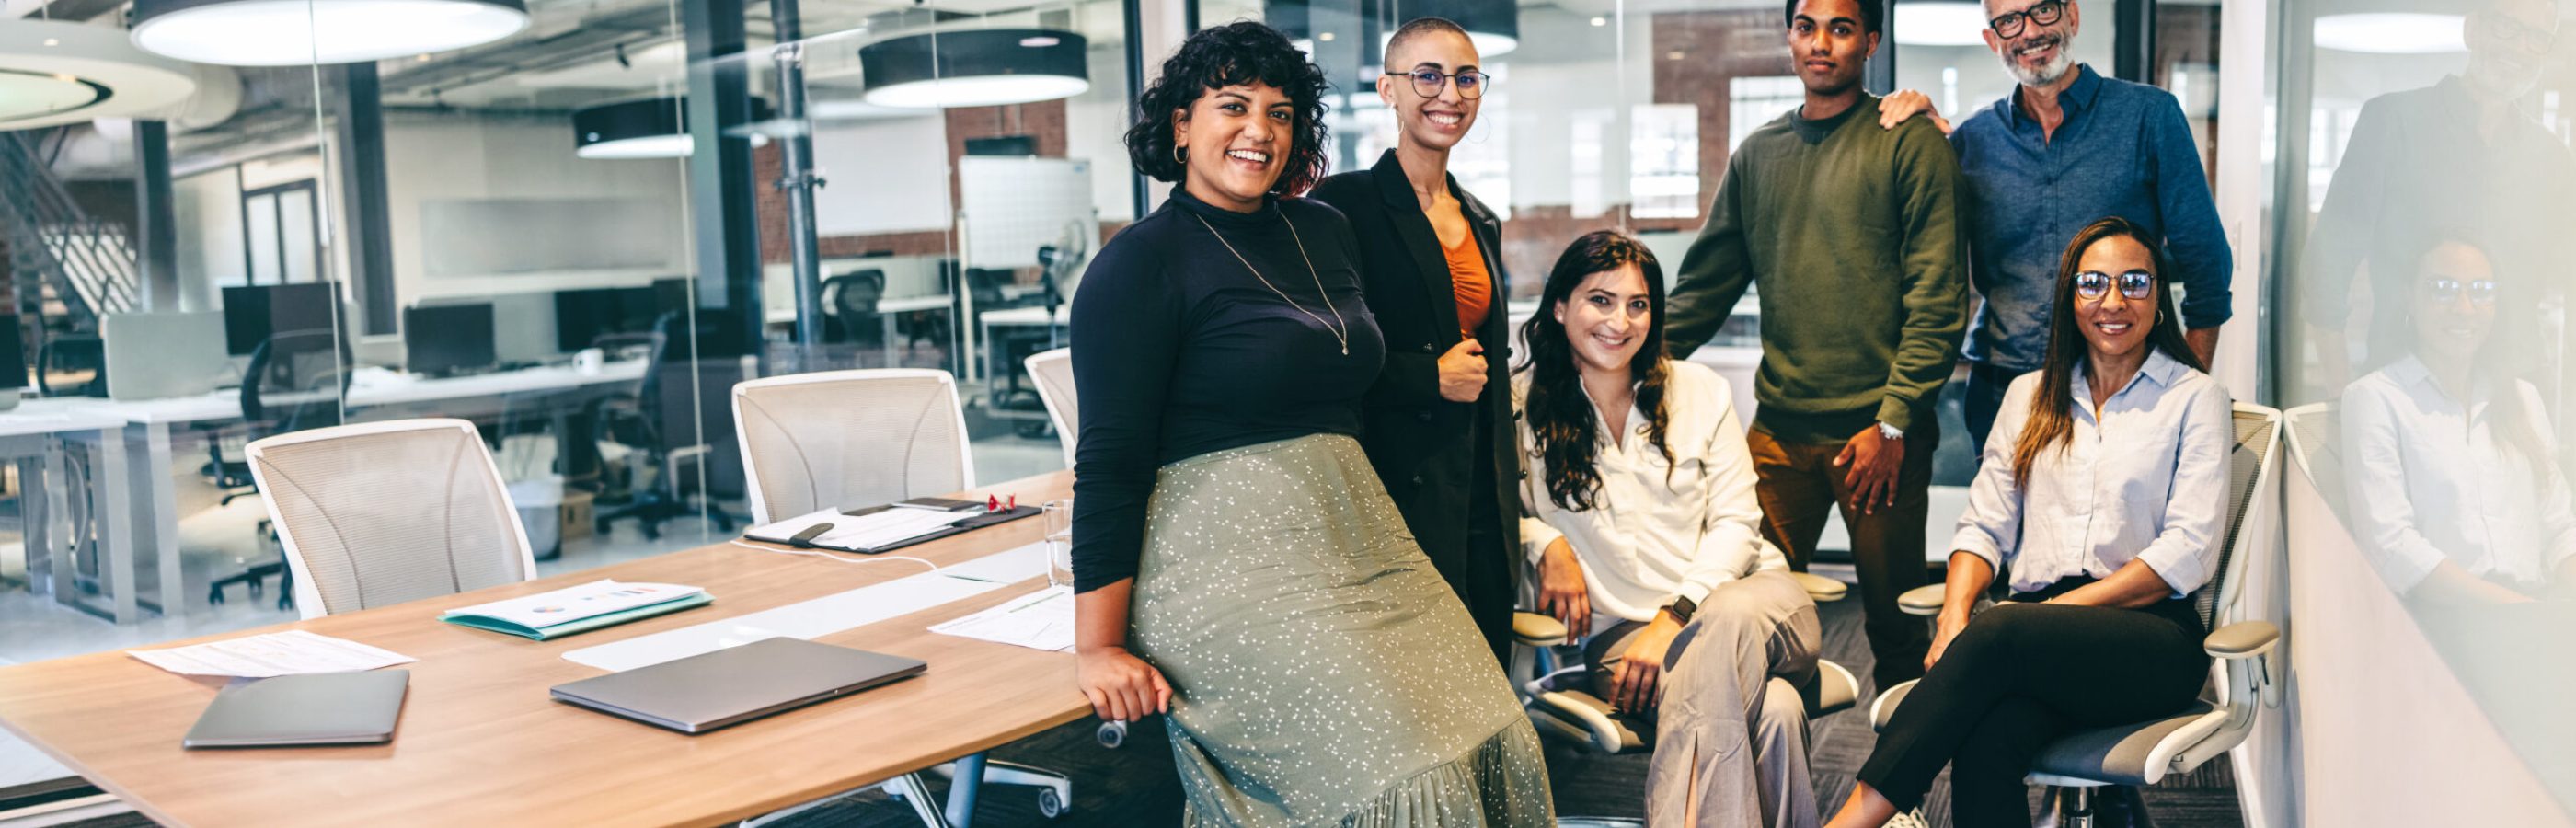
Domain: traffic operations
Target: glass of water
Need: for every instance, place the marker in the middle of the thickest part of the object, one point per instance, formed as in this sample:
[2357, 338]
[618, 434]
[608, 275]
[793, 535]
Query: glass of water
[1059, 542]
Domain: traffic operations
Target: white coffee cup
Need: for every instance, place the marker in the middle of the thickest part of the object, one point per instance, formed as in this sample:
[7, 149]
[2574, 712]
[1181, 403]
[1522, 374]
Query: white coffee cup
[589, 360]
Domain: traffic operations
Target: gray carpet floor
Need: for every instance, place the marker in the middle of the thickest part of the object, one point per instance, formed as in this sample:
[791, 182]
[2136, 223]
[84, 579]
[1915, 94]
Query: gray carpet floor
[1135, 785]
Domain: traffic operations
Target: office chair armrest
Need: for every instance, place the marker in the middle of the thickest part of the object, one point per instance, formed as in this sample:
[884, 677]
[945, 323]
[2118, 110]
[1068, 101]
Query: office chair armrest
[1821, 589]
[1537, 630]
[1922, 600]
[2243, 639]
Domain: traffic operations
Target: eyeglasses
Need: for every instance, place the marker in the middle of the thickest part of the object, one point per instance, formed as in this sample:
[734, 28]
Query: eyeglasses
[2445, 290]
[1471, 83]
[2532, 38]
[2135, 285]
[2045, 13]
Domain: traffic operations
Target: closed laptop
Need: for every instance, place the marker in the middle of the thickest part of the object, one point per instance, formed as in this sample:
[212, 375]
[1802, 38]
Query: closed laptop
[314, 709]
[736, 684]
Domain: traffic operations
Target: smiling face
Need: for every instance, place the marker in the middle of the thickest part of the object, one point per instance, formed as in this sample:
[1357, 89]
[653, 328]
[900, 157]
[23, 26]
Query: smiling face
[2037, 55]
[1830, 45]
[1431, 121]
[2509, 43]
[1236, 139]
[1607, 318]
[2115, 326]
[2451, 328]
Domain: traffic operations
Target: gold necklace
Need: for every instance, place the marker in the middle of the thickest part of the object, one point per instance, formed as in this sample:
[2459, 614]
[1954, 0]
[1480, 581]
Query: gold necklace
[1342, 333]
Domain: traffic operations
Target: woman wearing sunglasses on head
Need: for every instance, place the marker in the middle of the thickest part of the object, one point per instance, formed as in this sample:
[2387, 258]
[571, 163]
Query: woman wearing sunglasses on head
[2103, 489]
[1237, 566]
[1438, 431]
[2453, 493]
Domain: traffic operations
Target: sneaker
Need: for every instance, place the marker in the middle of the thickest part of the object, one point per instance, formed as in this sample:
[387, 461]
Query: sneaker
[1909, 819]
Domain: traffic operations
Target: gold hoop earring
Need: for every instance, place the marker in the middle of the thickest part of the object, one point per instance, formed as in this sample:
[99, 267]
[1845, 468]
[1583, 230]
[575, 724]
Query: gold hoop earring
[1180, 154]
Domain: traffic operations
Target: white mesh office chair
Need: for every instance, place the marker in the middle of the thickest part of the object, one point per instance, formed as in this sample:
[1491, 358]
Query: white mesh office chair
[850, 438]
[858, 438]
[2142, 753]
[382, 513]
[1053, 371]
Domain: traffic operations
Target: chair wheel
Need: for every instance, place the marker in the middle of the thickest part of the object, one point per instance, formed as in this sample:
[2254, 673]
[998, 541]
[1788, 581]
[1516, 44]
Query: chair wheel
[215, 596]
[1050, 805]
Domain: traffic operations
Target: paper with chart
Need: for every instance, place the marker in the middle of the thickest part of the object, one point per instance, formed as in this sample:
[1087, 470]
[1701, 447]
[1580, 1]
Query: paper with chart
[275, 654]
[1039, 621]
[570, 604]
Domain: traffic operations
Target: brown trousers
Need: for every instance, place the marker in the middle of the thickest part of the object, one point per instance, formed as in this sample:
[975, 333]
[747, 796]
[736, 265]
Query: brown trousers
[1799, 485]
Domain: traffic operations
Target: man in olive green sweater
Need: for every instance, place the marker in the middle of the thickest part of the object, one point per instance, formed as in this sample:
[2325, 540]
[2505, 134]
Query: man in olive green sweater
[1855, 236]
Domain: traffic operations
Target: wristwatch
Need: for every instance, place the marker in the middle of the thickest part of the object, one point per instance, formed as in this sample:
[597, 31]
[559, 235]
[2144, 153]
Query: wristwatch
[1890, 432]
[1682, 609]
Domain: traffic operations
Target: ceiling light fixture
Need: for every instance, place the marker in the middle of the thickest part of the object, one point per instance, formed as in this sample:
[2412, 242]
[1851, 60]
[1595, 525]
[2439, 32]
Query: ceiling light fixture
[2392, 33]
[54, 73]
[299, 32]
[974, 67]
[644, 128]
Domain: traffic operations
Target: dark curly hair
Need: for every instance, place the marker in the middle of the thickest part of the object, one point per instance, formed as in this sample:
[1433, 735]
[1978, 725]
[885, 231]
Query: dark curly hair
[1561, 416]
[1242, 52]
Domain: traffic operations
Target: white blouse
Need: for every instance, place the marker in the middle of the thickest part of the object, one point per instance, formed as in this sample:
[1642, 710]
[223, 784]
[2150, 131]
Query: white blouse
[2147, 480]
[1660, 528]
[2429, 480]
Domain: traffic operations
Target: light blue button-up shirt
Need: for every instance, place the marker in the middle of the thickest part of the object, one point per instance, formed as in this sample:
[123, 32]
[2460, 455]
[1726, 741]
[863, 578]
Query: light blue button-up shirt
[2125, 150]
[2145, 480]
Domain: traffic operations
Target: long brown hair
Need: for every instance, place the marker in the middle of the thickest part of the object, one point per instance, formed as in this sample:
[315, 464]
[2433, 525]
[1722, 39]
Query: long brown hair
[2052, 412]
[1561, 417]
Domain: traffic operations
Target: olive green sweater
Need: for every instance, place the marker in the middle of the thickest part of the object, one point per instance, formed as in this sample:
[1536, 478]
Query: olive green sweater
[1858, 240]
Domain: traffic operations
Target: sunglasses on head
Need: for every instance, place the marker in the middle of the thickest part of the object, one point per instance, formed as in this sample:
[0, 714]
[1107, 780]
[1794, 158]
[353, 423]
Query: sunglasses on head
[2482, 292]
[2134, 285]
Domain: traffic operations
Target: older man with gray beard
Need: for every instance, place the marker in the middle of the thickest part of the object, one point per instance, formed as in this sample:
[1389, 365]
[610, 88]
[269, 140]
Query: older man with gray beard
[2068, 148]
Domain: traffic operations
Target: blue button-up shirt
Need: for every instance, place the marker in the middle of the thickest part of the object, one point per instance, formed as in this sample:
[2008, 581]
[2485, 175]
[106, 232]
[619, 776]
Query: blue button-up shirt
[2124, 150]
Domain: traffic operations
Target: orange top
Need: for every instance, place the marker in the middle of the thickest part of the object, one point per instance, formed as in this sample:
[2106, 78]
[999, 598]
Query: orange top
[1474, 286]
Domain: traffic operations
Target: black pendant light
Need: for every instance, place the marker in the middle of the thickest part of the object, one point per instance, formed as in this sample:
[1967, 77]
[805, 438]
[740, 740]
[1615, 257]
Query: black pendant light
[974, 67]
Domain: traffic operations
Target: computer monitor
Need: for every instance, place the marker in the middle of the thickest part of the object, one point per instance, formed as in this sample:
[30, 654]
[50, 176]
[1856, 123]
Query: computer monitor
[581, 316]
[254, 313]
[440, 340]
[13, 360]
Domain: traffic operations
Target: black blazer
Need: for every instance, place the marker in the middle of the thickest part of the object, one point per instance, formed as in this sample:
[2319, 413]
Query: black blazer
[1422, 445]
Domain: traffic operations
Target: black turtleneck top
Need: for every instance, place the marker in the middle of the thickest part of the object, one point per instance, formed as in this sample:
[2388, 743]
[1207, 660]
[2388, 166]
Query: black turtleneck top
[1180, 350]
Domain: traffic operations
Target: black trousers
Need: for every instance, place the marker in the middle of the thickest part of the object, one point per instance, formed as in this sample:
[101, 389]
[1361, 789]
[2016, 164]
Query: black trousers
[2022, 675]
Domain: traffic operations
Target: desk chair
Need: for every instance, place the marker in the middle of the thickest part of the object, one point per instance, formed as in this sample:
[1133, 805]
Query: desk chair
[852, 300]
[1052, 372]
[296, 380]
[2247, 674]
[386, 512]
[857, 438]
[677, 420]
[1562, 707]
[850, 438]
[72, 355]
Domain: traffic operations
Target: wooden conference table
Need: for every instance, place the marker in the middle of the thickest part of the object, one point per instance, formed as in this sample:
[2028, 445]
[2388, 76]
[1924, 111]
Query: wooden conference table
[481, 743]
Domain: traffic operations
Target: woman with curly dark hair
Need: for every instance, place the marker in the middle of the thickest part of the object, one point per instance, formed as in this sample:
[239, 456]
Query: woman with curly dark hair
[1238, 564]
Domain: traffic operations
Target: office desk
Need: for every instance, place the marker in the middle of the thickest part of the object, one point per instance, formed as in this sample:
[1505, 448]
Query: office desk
[33, 435]
[147, 424]
[888, 310]
[480, 742]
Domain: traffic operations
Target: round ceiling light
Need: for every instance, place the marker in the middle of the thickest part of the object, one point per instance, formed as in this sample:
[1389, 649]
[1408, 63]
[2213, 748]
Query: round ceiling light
[974, 67]
[643, 128]
[2392, 33]
[1940, 24]
[298, 32]
[55, 73]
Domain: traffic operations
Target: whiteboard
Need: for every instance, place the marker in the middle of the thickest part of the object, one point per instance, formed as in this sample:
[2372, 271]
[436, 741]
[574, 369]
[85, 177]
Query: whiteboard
[1013, 206]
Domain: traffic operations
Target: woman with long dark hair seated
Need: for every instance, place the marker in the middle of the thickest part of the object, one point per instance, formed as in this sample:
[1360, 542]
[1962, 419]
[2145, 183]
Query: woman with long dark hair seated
[1648, 539]
[1238, 566]
[2104, 489]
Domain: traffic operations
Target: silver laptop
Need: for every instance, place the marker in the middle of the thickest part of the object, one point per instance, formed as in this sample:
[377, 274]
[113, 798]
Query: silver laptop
[314, 709]
[736, 684]
[152, 356]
